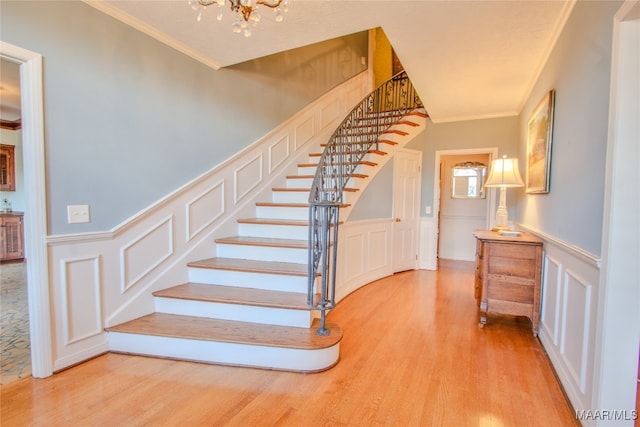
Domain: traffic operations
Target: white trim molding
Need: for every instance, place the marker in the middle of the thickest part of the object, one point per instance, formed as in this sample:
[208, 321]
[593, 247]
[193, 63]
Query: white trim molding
[35, 224]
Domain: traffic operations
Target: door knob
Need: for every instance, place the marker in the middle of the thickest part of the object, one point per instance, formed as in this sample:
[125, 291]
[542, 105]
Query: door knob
[397, 219]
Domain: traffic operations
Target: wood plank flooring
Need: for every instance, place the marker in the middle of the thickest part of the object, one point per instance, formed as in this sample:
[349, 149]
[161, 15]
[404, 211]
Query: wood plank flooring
[412, 355]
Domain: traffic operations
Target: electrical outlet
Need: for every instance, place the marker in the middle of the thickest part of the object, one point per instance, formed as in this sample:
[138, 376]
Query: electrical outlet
[77, 214]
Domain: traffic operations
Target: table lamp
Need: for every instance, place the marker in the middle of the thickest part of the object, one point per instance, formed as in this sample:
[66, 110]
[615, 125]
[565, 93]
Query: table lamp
[504, 173]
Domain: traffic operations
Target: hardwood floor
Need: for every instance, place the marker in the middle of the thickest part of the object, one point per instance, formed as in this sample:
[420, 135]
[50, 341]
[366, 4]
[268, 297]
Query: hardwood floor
[412, 355]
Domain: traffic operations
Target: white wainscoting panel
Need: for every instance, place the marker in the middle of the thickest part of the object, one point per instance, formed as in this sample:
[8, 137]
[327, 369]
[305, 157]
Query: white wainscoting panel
[355, 251]
[278, 153]
[456, 232]
[380, 243]
[428, 244]
[146, 252]
[551, 299]
[363, 254]
[304, 132]
[570, 284]
[329, 113]
[81, 298]
[204, 209]
[102, 279]
[576, 326]
[247, 177]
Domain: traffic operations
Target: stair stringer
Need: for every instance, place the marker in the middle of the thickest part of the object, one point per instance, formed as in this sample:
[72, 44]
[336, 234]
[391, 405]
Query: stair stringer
[262, 277]
[278, 154]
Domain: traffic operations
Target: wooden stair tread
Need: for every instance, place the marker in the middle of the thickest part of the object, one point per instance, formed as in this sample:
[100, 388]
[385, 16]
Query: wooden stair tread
[252, 266]
[354, 175]
[381, 141]
[289, 205]
[418, 113]
[283, 204]
[236, 295]
[362, 162]
[266, 221]
[408, 122]
[348, 189]
[202, 328]
[396, 131]
[264, 241]
[382, 153]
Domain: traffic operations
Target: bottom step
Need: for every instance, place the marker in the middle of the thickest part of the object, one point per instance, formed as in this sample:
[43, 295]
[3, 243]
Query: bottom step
[228, 342]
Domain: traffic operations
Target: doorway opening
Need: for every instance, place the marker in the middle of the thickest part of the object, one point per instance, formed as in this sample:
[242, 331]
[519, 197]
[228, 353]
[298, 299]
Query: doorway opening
[456, 222]
[35, 228]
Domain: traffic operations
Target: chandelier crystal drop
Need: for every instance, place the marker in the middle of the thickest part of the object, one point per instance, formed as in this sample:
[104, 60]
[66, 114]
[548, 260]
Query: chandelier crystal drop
[246, 10]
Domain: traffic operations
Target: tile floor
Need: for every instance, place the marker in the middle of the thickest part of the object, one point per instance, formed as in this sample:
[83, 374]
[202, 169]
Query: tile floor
[15, 359]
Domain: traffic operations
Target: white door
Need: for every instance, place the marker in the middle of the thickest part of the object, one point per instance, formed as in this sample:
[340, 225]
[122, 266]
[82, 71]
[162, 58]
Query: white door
[407, 167]
[459, 217]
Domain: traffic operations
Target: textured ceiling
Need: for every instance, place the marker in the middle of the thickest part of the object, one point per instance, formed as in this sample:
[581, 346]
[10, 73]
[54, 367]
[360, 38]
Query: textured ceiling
[467, 59]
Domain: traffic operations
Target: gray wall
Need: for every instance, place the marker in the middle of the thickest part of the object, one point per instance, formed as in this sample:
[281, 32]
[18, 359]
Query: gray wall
[376, 201]
[487, 133]
[579, 70]
[128, 119]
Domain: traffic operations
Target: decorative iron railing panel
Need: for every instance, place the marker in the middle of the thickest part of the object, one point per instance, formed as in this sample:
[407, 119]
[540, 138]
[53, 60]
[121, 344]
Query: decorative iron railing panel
[351, 141]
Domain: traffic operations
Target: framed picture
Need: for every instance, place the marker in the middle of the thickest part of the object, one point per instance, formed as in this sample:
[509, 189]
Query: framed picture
[539, 139]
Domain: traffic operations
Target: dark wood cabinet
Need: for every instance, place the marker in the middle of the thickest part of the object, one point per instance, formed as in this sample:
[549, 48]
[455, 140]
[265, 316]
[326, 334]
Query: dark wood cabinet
[11, 236]
[508, 274]
[7, 168]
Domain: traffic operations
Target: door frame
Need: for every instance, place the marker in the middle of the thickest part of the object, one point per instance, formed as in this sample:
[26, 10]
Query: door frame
[35, 218]
[617, 328]
[491, 195]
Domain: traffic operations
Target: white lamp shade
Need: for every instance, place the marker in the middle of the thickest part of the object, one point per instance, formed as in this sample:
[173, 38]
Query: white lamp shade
[504, 173]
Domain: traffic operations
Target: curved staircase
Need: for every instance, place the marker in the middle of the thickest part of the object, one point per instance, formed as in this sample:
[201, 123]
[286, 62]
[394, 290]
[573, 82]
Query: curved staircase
[248, 306]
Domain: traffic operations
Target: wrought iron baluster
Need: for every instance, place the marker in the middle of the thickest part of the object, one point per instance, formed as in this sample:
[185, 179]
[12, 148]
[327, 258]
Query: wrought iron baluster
[348, 145]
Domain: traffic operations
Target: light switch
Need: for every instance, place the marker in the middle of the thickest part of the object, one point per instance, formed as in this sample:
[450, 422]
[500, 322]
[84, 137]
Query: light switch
[77, 213]
[427, 210]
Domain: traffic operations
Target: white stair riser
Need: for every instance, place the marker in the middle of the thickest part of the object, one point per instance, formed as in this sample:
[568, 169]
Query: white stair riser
[281, 358]
[299, 182]
[274, 231]
[236, 312]
[274, 282]
[369, 157]
[301, 196]
[306, 182]
[282, 212]
[290, 196]
[262, 253]
[311, 170]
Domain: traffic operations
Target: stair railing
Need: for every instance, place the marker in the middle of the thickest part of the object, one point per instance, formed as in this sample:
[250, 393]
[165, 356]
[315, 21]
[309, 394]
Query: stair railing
[348, 145]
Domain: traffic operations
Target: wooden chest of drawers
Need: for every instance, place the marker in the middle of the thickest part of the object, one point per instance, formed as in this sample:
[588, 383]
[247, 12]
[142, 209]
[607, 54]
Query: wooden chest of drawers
[508, 272]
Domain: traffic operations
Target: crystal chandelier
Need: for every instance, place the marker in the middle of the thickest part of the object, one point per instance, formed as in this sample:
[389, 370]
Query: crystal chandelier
[246, 10]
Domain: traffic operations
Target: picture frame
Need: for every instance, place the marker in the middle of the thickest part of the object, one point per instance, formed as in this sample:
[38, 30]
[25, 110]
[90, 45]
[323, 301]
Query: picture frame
[539, 142]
